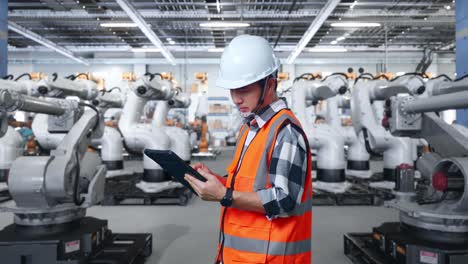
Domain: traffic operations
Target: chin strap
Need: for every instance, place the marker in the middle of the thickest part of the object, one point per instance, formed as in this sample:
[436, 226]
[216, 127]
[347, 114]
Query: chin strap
[262, 96]
[249, 116]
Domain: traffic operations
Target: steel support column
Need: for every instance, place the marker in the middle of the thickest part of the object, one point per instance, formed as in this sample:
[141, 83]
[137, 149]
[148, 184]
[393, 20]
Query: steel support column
[3, 37]
[461, 13]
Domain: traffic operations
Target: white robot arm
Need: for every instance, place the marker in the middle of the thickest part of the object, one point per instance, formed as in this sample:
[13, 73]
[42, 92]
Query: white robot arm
[26, 87]
[108, 100]
[50, 189]
[62, 87]
[11, 101]
[327, 140]
[367, 104]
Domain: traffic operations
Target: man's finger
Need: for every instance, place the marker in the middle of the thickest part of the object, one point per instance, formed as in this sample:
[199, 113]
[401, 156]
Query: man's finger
[192, 181]
[197, 165]
[206, 174]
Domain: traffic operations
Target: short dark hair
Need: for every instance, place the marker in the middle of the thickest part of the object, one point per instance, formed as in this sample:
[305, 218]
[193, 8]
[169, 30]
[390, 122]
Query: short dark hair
[263, 81]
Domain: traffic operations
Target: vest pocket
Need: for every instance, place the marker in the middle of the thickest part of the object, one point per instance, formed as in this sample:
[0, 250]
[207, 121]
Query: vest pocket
[245, 246]
[247, 236]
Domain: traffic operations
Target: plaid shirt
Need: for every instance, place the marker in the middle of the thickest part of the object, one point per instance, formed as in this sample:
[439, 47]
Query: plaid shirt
[288, 167]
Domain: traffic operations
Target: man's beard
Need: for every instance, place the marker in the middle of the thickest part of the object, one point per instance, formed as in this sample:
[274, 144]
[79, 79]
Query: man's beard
[245, 114]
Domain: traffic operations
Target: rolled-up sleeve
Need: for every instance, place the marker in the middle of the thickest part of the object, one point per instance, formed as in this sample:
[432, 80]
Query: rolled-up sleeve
[287, 173]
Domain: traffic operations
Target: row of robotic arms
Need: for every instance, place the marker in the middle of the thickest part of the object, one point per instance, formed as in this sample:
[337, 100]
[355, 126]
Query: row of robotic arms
[346, 150]
[390, 118]
[50, 193]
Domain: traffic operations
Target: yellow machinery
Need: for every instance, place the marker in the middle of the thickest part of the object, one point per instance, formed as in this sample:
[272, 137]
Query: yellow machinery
[202, 77]
[100, 82]
[129, 76]
[37, 76]
[203, 146]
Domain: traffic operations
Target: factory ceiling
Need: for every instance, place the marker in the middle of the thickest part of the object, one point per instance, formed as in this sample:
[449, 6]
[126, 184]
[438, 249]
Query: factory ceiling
[297, 25]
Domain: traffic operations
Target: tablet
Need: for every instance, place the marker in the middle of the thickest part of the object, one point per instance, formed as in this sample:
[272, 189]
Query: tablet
[174, 165]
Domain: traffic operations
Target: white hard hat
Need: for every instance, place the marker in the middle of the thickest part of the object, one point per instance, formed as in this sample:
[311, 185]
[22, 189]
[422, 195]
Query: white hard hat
[246, 60]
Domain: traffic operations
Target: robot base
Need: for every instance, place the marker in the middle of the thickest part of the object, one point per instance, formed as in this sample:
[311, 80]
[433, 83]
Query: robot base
[157, 175]
[331, 175]
[355, 195]
[375, 184]
[114, 164]
[4, 193]
[389, 245]
[122, 191]
[358, 165]
[4, 175]
[85, 241]
[389, 174]
[132, 156]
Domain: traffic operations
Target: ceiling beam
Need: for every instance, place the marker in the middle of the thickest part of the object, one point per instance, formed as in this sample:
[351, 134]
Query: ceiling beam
[205, 48]
[203, 14]
[152, 3]
[145, 28]
[43, 41]
[313, 28]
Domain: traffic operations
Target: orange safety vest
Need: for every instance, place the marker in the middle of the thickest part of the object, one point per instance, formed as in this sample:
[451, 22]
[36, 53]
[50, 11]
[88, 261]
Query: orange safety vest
[249, 237]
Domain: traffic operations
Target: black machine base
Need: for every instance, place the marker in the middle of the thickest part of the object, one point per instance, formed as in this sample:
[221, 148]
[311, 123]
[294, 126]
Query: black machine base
[84, 241]
[4, 175]
[359, 165]
[390, 245]
[114, 164]
[4, 196]
[355, 195]
[389, 174]
[155, 176]
[122, 191]
[384, 193]
[331, 175]
[314, 165]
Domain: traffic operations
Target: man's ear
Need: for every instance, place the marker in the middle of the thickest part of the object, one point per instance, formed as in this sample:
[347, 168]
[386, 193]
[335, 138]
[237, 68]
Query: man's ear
[272, 84]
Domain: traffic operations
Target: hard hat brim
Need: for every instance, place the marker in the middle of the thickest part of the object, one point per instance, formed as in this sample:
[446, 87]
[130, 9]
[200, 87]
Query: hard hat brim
[232, 85]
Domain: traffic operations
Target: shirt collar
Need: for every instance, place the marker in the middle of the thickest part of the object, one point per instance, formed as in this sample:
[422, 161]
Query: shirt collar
[266, 113]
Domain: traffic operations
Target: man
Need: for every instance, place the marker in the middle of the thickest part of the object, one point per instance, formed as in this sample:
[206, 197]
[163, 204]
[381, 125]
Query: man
[266, 198]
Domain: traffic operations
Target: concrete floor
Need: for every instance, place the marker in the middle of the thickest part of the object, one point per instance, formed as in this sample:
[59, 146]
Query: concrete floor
[188, 234]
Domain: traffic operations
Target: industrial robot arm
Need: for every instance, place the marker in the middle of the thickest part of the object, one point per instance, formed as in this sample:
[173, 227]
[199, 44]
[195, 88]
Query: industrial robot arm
[11, 101]
[62, 87]
[324, 138]
[366, 92]
[27, 87]
[446, 168]
[50, 181]
[153, 89]
[367, 111]
[180, 100]
[107, 100]
[413, 117]
[329, 87]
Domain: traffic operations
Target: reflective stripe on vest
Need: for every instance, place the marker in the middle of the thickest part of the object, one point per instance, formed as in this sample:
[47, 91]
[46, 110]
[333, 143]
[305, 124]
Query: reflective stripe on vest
[262, 246]
[250, 235]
